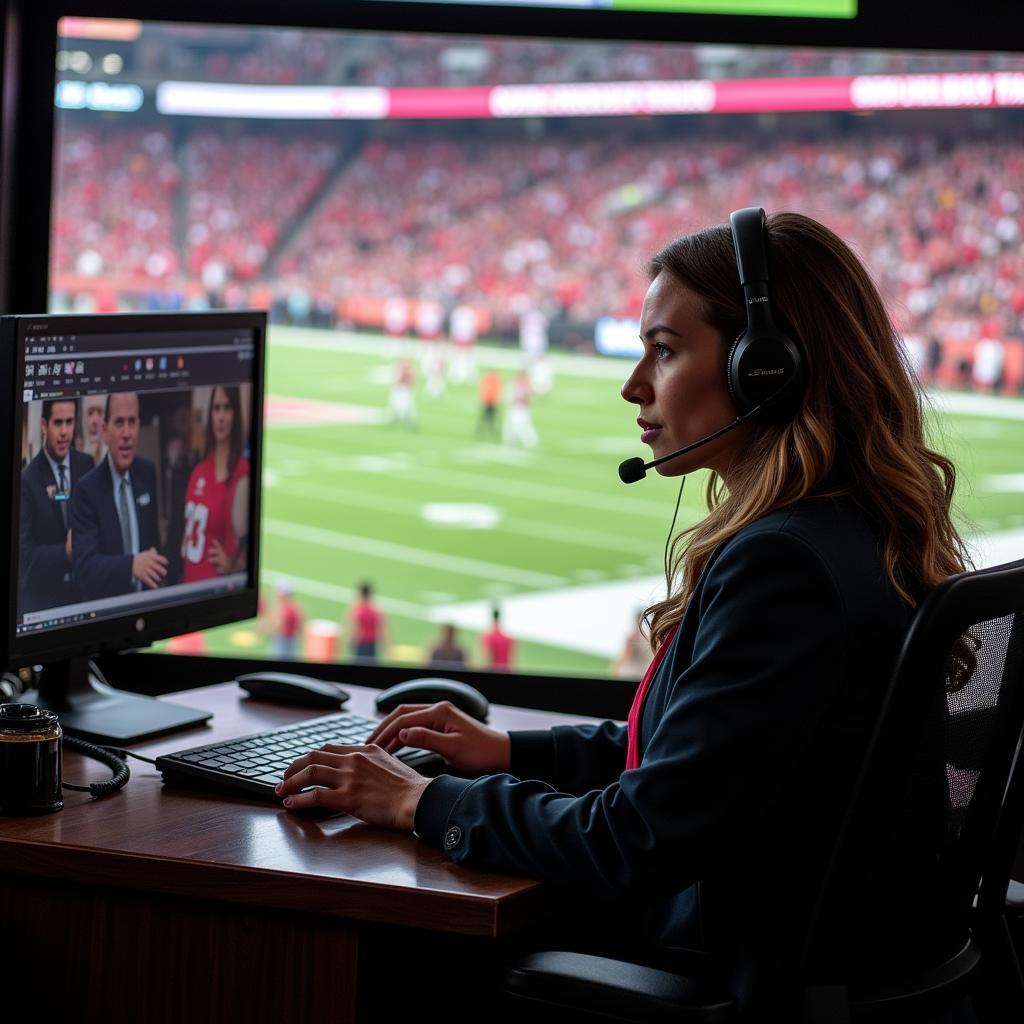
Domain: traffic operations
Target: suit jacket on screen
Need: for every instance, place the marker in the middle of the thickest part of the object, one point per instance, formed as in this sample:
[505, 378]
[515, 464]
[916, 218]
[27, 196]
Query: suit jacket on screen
[751, 736]
[44, 572]
[101, 568]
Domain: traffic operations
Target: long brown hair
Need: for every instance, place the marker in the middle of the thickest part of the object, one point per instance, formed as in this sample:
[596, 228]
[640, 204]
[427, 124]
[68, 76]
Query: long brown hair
[235, 440]
[859, 428]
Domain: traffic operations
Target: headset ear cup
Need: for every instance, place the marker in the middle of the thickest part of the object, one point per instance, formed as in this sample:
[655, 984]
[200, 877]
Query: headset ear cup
[732, 376]
[766, 370]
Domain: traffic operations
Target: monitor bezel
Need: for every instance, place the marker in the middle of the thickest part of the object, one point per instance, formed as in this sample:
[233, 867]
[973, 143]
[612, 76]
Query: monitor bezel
[131, 629]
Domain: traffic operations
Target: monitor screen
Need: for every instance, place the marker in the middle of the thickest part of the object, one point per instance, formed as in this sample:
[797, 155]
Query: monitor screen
[135, 484]
[449, 233]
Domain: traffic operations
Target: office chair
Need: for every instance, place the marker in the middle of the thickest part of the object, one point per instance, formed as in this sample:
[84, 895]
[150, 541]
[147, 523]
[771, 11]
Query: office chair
[949, 728]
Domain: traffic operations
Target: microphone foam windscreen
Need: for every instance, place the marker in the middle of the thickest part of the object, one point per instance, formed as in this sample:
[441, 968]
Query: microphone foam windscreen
[632, 470]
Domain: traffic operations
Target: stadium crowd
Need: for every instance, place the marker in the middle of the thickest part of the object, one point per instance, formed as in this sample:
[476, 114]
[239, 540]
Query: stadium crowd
[563, 223]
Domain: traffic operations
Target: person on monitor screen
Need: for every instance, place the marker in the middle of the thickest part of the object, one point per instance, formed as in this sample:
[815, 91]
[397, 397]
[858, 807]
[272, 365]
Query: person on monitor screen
[693, 836]
[47, 484]
[115, 536]
[217, 496]
[91, 438]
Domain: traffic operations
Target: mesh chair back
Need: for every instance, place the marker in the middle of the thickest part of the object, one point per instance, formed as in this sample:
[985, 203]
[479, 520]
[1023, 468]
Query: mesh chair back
[920, 828]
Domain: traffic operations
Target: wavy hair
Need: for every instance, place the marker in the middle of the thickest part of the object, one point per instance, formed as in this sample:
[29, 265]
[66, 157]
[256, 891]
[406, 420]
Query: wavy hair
[858, 430]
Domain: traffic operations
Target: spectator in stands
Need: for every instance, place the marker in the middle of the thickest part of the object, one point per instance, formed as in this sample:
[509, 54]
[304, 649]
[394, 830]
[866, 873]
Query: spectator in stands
[498, 647]
[447, 653]
[788, 604]
[368, 626]
[284, 623]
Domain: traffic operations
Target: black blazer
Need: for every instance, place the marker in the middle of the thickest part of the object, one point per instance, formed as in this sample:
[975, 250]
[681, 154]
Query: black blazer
[101, 568]
[44, 572]
[750, 740]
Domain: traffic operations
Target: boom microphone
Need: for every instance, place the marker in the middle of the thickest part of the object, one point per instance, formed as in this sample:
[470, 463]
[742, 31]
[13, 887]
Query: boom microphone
[636, 469]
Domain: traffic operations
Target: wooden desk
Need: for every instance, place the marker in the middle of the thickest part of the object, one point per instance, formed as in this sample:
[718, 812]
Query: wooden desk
[162, 904]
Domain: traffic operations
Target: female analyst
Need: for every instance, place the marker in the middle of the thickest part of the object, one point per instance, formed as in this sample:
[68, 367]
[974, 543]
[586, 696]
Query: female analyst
[784, 616]
[217, 496]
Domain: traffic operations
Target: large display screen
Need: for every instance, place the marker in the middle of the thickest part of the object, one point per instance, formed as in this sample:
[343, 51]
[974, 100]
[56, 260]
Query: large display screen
[450, 232]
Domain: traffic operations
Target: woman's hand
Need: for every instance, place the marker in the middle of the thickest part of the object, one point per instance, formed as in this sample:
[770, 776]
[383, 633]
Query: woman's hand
[360, 780]
[218, 557]
[463, 742]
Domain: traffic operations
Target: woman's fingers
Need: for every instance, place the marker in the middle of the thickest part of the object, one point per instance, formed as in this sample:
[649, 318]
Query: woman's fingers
[324, 758]
[393, 716]
[361, 780]
[443, 743]
[434, 716]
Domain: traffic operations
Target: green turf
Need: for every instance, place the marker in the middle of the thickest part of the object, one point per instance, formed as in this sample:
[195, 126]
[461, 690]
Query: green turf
[345, 502]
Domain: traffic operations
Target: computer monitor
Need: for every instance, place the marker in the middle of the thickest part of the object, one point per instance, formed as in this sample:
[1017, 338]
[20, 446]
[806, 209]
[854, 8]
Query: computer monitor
[134, 490]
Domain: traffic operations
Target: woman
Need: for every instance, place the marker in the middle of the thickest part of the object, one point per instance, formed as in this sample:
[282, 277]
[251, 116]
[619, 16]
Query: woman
[217, 496]
[828, 520]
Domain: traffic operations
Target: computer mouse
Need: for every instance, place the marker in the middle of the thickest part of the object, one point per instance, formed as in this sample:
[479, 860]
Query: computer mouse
[430, 690]
[287, 688]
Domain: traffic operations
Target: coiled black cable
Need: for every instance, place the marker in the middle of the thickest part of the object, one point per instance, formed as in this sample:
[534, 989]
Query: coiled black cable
[115, 761]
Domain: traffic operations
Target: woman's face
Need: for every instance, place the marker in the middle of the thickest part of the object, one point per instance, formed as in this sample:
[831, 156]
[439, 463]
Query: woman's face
[222, 415]
[679, 382]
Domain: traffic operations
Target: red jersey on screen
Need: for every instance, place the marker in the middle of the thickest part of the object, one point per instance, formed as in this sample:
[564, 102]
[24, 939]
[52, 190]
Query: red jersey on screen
[366, 619]
[208, 518]
[499, 648]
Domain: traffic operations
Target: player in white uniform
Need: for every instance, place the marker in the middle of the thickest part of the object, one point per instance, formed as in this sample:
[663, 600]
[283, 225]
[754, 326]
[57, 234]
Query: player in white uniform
[463, 330]
[518, 426]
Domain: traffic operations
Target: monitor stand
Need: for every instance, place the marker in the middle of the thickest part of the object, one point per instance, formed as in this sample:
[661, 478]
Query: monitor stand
[92, 709]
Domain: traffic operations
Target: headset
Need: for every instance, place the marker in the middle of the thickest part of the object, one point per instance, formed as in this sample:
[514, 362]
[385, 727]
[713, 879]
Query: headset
[765, 369]
[765, 366]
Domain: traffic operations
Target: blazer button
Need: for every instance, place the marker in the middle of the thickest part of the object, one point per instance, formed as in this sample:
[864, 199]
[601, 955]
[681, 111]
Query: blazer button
[452, 838]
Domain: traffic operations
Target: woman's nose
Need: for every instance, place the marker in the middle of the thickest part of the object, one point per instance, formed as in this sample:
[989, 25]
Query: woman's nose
[633, 386]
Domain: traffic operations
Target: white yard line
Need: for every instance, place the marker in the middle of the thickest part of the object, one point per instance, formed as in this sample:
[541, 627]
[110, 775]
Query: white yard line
[408, 555]
[476, 483]
[576, 536]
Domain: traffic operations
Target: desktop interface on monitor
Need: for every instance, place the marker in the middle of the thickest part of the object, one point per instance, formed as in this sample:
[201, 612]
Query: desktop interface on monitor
[135, 478]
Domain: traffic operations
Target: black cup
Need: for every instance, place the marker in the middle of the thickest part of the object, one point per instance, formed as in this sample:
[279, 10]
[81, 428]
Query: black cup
[29, 760]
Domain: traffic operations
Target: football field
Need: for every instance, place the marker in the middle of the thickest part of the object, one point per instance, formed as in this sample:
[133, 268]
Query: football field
[445, 520]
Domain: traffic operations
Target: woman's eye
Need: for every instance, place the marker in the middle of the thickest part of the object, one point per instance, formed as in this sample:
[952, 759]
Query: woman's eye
[661, 351]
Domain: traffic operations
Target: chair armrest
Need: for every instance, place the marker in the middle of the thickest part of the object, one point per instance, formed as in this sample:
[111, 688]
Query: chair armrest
[1015, 898]
[614, 989]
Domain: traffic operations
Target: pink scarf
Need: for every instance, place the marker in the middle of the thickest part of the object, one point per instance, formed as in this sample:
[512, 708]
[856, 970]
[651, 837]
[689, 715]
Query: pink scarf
[633, 722]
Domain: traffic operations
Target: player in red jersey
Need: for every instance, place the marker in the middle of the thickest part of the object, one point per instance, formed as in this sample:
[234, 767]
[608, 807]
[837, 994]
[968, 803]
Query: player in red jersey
[217, 497]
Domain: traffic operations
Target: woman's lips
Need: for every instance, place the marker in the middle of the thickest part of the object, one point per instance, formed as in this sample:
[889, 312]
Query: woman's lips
[649, 430]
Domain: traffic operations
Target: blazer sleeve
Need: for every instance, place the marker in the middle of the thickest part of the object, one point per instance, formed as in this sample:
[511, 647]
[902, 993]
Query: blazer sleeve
[762, 676]
[572, 758]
